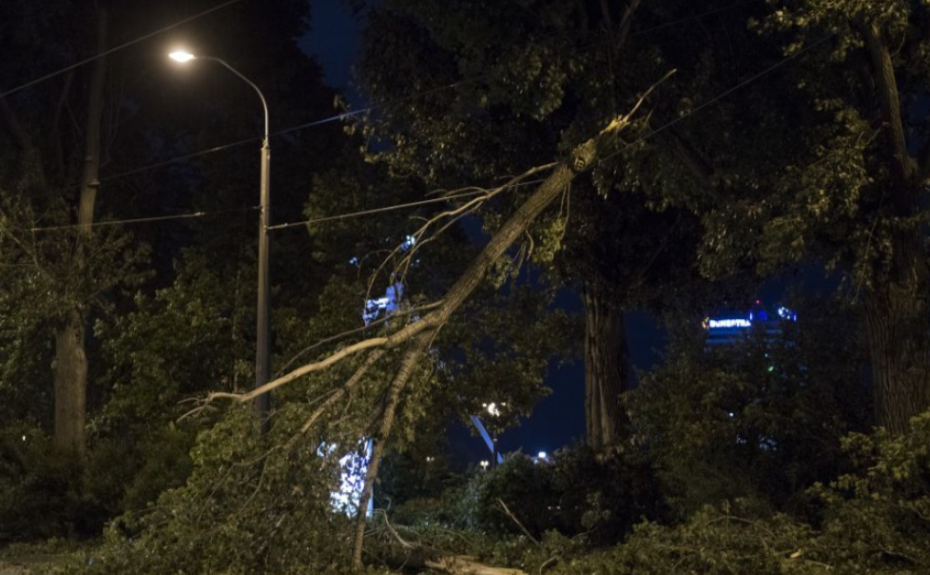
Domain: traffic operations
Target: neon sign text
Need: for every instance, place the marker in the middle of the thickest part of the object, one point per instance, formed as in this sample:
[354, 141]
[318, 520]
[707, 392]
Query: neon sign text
[728, 323]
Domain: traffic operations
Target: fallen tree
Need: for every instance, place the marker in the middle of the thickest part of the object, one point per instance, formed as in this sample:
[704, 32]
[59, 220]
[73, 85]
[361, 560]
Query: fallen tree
[415, 338]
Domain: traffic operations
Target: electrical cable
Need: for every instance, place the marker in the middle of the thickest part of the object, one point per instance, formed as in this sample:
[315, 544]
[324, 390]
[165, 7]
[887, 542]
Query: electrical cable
[117, 48]
[343, 216]
[391, 208]
[372, 211]
[375, 106]
[690, 18]
[372, 107]
[222, 147]
[187, 216]
[722, 95]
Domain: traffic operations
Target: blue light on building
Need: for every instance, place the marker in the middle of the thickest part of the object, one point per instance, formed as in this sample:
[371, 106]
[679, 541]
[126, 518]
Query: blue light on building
[730, 330]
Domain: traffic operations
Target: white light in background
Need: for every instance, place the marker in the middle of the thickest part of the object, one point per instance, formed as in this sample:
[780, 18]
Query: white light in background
[353, 468]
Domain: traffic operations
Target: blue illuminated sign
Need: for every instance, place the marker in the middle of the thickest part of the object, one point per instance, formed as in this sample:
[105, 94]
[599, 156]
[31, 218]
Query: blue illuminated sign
[727, 323]
[758, 315]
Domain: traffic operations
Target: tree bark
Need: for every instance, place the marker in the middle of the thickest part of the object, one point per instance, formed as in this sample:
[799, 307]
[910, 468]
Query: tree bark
[70, 384]
[91, 172]
[899, 344]
[897, 323]
[607, 372]
[70, 357]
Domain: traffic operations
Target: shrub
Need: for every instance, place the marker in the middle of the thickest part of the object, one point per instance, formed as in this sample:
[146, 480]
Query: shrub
[247, 507]
[39, 486]
[577, 493]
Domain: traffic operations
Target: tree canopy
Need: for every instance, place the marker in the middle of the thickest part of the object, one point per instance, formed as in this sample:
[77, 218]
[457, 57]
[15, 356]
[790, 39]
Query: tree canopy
[664, 156]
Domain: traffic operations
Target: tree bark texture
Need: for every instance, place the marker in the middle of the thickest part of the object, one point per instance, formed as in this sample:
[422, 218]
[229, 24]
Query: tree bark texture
[899, 347]
[607, 371]
[70, 384]
[896, 311]
[70, 357]
[92, 144]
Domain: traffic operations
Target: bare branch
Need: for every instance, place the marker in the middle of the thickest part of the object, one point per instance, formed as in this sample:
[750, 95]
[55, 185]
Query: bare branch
[562, 175]
[348, 387]
[453, 214]
[322, 342]
[394, 532]
[407, 365]
[623, 29]
[464, 565]
[517, 521]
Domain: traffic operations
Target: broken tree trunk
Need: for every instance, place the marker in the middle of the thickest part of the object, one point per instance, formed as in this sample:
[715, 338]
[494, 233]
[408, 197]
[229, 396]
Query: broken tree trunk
[557, 183]
[416, 336]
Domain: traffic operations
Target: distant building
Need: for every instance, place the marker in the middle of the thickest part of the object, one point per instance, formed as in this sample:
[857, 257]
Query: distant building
[733, 328]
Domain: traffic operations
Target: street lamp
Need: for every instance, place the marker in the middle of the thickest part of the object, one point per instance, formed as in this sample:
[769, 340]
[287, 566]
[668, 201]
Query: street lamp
[263, 341]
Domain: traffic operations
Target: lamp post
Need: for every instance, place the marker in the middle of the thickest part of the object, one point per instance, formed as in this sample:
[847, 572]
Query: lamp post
[263, 332]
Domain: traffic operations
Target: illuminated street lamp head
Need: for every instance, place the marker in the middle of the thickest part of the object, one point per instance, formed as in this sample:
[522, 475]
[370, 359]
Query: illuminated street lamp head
[182, 56]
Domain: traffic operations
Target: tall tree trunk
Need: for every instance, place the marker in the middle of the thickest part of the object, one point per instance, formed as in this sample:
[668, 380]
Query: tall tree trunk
[899, 340]
[70, 357]
[897, 322]
[606, 369]
[70, 384]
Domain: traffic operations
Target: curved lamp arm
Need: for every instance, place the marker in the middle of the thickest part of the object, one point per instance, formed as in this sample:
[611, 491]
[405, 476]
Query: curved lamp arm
[183, 56]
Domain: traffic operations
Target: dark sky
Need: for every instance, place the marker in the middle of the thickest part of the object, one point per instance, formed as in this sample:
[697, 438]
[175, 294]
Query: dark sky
[333, 40]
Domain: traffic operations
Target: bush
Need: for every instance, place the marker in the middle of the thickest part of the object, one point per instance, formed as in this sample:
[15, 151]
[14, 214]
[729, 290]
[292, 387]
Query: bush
[604, 496]
[577, 493]
[247, 507]
[523, 486]
[40, 488]
[879, 516]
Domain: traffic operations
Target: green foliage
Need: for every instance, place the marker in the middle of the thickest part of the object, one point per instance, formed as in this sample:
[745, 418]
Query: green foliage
[760, 420]
[602, 496]
[878, 517]
[184, 339]
[250, 506]
[595, 498]
[500, 351]
[875, 521]
[711, 543]
[525, 487]
[39, 487]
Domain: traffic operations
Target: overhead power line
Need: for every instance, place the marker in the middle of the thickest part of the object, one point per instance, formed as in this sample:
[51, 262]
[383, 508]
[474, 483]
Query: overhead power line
[369, 108]
[105, 223]
[395, 207]
[384, 209]
[724, 94]
[343, 216]
[374, 106]
[117, 48]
